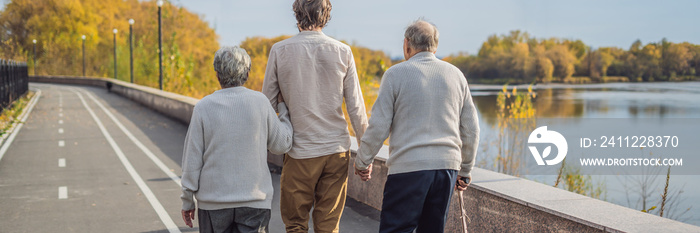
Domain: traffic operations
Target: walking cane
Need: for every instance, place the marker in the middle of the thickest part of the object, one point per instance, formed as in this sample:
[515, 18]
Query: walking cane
[464, 216]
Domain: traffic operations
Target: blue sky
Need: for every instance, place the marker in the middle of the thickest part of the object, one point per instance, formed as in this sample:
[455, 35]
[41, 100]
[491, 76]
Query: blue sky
[464, 25]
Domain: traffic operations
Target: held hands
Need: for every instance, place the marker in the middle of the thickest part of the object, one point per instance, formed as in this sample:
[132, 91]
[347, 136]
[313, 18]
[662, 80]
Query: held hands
[366, 174]
[188, 216]
[461, 185]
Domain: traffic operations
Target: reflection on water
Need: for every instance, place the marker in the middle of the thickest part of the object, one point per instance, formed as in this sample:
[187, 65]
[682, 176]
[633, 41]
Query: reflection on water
[600, 102]
[664, 101]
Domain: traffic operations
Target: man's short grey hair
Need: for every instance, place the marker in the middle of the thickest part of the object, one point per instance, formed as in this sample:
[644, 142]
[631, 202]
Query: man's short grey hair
[232, 65]
[422, 36]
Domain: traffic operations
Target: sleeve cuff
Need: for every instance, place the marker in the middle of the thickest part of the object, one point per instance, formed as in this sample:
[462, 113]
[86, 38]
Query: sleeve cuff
[281, 107]
[187, 205]
[463, 173]
[187, 201]
[359, 165]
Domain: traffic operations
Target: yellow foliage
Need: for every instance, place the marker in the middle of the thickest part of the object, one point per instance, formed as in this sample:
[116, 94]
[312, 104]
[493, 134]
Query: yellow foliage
[57, 25]
[258, 49]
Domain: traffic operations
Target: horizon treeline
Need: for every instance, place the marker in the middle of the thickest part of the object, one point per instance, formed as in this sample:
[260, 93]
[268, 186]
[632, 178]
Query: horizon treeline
[519, 58]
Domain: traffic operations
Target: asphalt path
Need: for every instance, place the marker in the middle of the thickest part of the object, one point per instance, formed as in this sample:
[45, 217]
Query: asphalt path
[86, 160]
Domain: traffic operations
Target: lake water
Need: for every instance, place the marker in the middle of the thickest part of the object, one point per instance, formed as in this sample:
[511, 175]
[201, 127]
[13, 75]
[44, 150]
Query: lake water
[661, 103]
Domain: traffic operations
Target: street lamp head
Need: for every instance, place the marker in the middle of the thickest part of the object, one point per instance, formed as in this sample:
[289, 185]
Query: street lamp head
[83, 37]
[159, 3]
[131, 21]
[114, 31]
[34, 41]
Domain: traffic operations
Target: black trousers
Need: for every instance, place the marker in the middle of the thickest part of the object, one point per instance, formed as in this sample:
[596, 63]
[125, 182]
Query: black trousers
[234, 220]
[417, 201]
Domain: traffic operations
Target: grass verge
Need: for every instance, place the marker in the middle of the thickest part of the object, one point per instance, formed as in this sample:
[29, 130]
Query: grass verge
[11, 114]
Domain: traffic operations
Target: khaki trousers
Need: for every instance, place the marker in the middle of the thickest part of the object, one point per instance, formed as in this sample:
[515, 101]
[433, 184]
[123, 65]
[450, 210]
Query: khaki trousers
[320, 183]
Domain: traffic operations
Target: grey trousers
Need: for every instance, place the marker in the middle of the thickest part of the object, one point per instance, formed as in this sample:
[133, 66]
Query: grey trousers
[234, 220]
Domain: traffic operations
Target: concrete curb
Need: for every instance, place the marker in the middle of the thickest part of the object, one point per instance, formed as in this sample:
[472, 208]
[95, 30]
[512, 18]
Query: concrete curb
[173, 105]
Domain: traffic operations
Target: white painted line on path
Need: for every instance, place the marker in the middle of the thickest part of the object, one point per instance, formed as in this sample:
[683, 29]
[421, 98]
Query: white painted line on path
[138, 143]
[60, 114]
[63, 192]
[17, 127]
[60, 130]
[60, 122]
[61, 143]
[152, 199]
[61, 162]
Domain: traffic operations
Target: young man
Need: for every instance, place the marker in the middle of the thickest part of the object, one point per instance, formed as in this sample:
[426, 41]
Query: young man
[224, 163]
[315, 73]
[426, 106]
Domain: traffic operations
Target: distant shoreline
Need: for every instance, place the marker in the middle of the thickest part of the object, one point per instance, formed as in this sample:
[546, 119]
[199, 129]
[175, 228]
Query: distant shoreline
[695, 86]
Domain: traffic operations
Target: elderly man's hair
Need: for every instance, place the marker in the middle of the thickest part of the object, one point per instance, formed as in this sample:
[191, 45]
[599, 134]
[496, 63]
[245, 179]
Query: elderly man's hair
[231, 65]
[422, 35]
[311, 14]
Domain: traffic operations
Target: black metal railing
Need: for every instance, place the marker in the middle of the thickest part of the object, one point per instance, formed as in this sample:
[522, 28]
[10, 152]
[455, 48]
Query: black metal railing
[14, 81]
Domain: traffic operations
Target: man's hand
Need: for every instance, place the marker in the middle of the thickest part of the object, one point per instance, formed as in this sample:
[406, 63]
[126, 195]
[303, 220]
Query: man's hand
[461, 185]
[366, 174]
[188, 216]
[280, 99]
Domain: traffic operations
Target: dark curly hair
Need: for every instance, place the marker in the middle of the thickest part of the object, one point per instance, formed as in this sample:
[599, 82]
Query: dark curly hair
[311, 14]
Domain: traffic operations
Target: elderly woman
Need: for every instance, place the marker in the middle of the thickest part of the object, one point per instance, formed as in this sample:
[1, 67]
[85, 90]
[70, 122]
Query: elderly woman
[224, 163]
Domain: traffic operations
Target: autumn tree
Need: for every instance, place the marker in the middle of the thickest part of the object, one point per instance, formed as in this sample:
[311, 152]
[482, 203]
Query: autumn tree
[57, 25]
[517, 57]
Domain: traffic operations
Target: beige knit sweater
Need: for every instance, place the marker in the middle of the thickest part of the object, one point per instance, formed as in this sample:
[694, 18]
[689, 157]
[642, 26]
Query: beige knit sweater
[426, 106]
[315, 74]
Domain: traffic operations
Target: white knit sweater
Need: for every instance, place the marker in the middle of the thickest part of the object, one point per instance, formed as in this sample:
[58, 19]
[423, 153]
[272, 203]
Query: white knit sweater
[224, 163]
[426, 106]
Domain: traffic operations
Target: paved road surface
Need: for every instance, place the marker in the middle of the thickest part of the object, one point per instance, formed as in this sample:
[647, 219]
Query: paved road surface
[90, 161]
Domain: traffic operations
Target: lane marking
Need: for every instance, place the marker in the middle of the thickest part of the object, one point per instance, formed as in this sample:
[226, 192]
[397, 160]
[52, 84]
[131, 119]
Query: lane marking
[60, 130]
[164, 216]
[60, 114]
[138, 143]
[17, 127]
[60, 99]
[60, 121]
[61, 143]
[63, 192]
[62, 162]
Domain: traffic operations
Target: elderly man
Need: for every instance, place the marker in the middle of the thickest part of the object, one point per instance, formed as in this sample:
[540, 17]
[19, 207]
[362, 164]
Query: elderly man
[224, 163]
[315, 73]
[426, 106]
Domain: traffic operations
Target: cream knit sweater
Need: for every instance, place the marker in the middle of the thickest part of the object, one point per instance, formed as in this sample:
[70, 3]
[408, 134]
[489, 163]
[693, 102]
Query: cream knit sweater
[426, 106]
[224, 163]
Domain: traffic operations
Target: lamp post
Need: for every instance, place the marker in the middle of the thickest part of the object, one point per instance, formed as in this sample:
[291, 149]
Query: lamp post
[160, 46]
[83, 55]
[131, 49]
[115, 53]
[34, 41]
